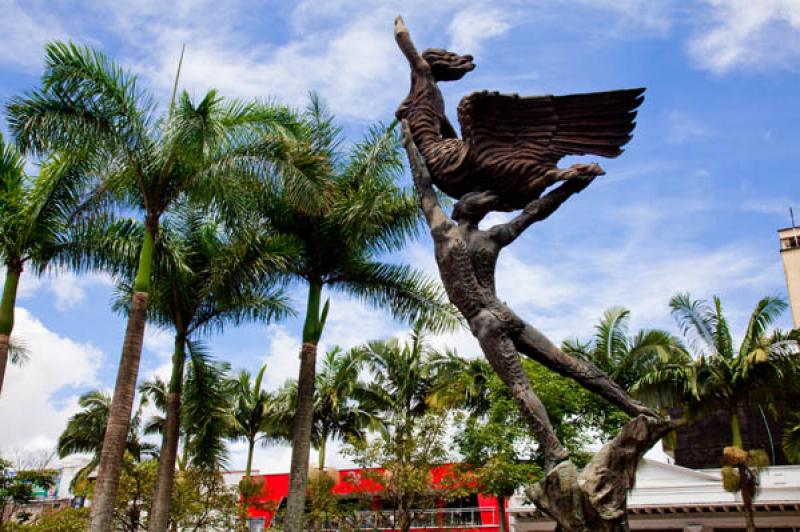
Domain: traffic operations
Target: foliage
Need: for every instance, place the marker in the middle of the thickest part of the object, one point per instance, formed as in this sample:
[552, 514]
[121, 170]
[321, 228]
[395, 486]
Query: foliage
[17, 490]
[85, 431]
[406, 453]
[205, 414]
[403, 376]
[342, 410]
[498, 450]
[256, 416]
[64, 520]
[626, 358]
[723, 377]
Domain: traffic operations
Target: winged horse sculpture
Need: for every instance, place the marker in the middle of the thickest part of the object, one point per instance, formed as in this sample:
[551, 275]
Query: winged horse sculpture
[510, 145]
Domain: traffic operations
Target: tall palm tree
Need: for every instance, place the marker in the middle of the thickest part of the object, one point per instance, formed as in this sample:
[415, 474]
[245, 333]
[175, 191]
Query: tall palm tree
[85, 431]
[141, 161]
[204, 279]
[341, 401]
[723, 377]
[35, 215]
[357, 214]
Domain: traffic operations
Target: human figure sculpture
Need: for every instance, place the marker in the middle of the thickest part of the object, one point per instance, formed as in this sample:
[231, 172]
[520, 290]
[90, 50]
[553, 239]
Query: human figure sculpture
[467, 256]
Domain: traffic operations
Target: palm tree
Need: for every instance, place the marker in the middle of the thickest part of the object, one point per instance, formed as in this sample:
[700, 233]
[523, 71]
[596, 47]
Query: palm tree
[626, 358]
[357, 214]
[404, 377]
[723, 377]
[341, 401]
[35, 217]
[256, 415]
[85, 431]
[140, 161]
[202, 280]
[464, 383]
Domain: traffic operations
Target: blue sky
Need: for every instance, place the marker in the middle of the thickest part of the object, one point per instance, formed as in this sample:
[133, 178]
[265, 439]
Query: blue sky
[693, 204]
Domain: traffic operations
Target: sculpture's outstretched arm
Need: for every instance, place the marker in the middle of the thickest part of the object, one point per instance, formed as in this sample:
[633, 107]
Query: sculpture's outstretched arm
[537, 210]
[436, 217]
[403, 38]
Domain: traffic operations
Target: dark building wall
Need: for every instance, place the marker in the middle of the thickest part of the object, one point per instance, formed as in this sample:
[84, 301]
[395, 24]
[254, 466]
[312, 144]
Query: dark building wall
[699, 445]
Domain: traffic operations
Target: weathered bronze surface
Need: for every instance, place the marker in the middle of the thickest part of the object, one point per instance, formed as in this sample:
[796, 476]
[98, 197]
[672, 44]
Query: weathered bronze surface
[507, 162]
[511, 144]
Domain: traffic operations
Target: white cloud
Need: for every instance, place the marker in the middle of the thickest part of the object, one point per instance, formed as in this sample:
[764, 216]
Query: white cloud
[653, 16]
[160, 342]
[474, 25]
[23, 35]
[747, 34]
[68, 288]
[283, 356]
[29, 413]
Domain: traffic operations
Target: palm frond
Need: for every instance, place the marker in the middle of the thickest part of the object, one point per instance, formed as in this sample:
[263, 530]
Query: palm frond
[696, 320]
[407, 293]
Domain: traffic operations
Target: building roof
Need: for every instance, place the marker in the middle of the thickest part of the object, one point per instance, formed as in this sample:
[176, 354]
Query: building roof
[668, 488]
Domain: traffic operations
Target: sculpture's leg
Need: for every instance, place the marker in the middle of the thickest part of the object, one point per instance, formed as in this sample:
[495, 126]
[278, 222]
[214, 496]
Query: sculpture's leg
[535, 345]
[503, 356]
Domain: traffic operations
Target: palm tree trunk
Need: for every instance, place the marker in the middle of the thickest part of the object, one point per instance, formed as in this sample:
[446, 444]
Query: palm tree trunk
[159, 513]
[750, 520]
[736, 431]
[251, 443]
[321, 452]
[304, 415]
[116, 436]
[13, 272]
[301, 439]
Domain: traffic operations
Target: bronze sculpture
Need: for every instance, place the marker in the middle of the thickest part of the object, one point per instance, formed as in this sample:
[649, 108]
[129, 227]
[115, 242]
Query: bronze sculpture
[523, 150]
[510, 145]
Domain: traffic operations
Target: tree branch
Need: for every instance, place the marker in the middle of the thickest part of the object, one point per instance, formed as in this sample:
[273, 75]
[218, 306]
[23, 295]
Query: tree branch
[537, 210]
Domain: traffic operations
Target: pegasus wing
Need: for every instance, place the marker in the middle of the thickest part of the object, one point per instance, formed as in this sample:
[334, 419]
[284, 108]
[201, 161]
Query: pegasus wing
[543, 129]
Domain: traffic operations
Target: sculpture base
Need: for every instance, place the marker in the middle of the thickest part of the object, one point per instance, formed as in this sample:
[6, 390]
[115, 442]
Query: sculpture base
[594, 500]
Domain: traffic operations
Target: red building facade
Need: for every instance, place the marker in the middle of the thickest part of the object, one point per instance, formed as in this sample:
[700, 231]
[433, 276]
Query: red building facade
[475, 512]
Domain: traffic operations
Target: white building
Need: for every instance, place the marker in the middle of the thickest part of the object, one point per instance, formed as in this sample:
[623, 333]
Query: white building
[670, 498]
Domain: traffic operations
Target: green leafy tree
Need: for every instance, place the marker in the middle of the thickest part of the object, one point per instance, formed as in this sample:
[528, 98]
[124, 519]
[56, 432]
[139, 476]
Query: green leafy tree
[498, 452]
[404, 374]
[64, 520]
[204, 279]
[343, 210]
[17, 490]
[141, 161]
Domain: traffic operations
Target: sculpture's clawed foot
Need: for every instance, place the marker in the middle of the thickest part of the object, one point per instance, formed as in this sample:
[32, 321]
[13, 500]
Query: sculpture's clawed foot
[636, 408]
[587, 170]
[576, 171]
